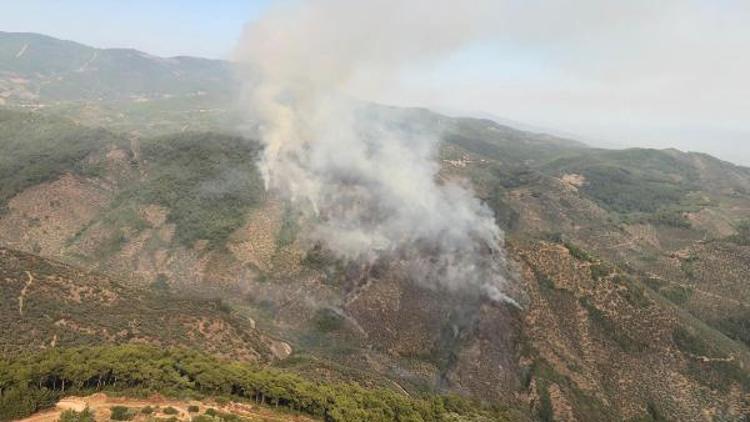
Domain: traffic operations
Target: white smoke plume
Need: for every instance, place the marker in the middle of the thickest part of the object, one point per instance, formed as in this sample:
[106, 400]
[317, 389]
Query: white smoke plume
[369, 178]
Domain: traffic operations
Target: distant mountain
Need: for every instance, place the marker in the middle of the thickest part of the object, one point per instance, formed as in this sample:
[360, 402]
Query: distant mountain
[632, 265]
[37, 69]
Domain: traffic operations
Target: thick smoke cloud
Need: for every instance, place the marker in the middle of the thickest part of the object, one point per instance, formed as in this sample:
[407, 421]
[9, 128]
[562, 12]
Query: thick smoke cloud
[366, 175]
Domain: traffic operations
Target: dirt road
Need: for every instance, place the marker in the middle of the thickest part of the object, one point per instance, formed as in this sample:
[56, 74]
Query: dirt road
[101, 403]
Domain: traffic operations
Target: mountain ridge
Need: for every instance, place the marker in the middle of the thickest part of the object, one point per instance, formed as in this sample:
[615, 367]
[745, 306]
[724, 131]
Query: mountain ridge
[631, 264]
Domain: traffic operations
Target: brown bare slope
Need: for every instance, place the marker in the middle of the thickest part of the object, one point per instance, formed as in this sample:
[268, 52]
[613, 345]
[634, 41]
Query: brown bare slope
[49, 304]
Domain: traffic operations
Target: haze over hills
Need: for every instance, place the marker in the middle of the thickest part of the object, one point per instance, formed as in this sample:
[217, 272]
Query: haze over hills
[76, 79]
[134, 217]
[41, 69]
[117, 88]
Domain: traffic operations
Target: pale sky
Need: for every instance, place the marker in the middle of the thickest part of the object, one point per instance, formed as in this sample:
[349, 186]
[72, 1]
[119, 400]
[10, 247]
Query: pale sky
[669, 73]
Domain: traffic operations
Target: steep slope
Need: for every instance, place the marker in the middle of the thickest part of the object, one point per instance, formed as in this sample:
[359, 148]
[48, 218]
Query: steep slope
[602, 346]
[631, 265]
[47, 304]
[186, 212]
[37, 148]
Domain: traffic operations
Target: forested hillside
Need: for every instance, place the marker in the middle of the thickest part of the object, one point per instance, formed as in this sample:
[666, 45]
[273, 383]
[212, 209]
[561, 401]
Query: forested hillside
[33, 382]
[148, 239]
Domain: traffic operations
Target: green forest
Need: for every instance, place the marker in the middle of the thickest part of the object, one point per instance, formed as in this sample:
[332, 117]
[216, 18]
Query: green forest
[35, 381]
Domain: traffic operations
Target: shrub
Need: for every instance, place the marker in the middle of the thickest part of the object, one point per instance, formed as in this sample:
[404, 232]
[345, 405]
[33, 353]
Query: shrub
[170, 411]
[742, 237]
[327, 320]
[672, 219]
[70, 415]
[544, 280]
[546, 413]
[193, 409]
[205, 418]
[578, 253]
[677, 294]
[147, 410]
[161, 284]
[212, 415]
[600, 271]
[121, 413]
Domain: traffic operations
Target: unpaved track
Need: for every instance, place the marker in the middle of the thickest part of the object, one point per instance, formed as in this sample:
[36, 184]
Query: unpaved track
[100, 404]
[22, 50]
[24, 291]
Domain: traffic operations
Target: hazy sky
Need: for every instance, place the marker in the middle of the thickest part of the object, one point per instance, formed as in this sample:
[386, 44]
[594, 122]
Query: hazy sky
[668, 73]
[162, 27]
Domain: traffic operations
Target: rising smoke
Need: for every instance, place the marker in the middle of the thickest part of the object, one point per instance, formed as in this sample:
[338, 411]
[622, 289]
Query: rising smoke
[368, 179]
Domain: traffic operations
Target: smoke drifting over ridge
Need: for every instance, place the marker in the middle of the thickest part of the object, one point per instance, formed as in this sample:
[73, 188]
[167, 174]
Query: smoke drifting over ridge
[368, 178]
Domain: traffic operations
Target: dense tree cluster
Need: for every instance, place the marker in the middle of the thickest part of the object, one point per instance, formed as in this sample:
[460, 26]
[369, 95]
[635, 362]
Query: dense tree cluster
[208, 181]
[36, 148]
[33, 382]
[742, 237]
